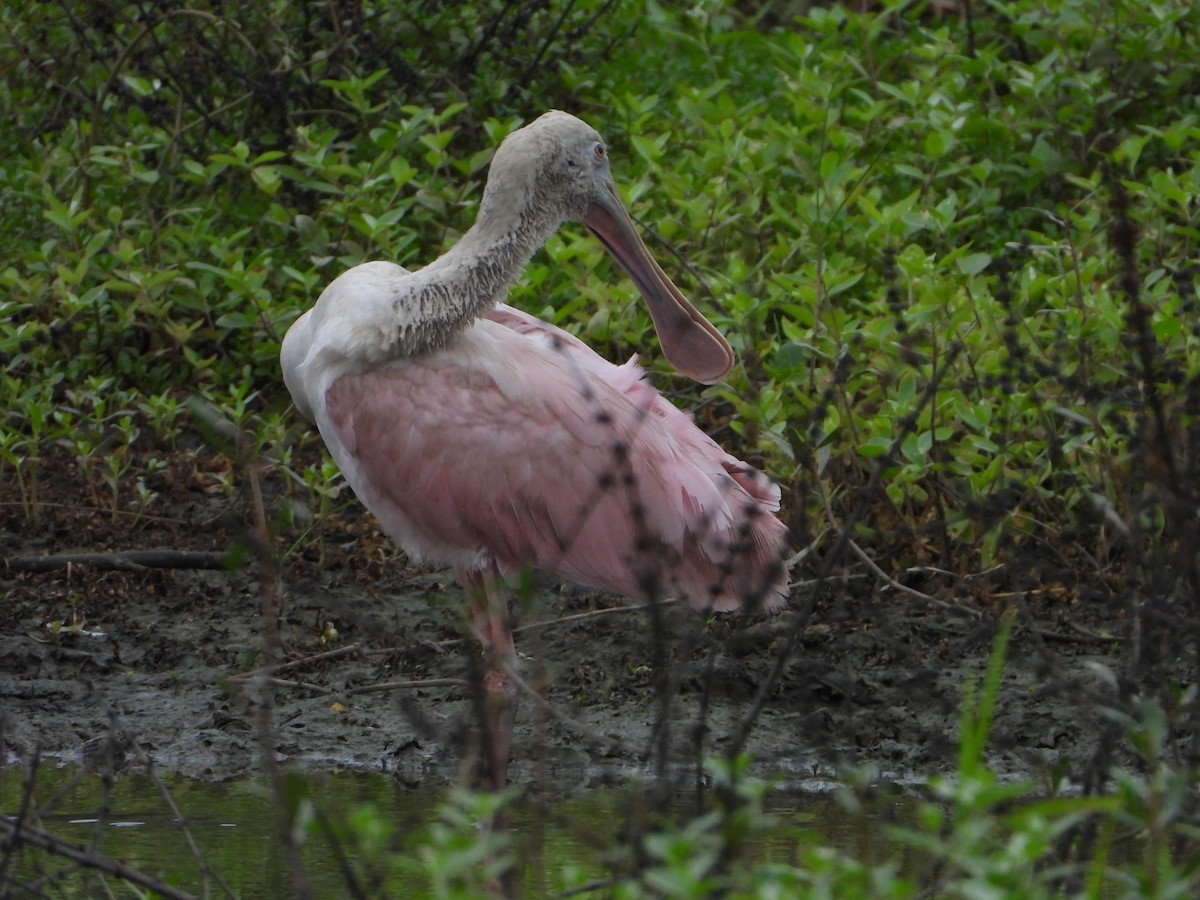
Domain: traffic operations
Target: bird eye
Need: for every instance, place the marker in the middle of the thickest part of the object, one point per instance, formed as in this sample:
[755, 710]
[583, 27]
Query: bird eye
[598, 150]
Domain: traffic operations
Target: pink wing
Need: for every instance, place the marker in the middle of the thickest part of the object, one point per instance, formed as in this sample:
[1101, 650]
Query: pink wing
[518, 444]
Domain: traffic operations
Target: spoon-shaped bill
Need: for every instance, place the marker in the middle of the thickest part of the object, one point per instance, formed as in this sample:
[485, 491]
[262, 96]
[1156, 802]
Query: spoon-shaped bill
[689, 341]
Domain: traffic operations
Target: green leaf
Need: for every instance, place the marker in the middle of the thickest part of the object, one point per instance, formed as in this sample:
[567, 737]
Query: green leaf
[974, 263]
[237, 320]
[935, 145]
[141, 87]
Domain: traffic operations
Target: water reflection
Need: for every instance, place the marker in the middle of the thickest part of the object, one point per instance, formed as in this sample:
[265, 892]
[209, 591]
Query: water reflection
[226, 834]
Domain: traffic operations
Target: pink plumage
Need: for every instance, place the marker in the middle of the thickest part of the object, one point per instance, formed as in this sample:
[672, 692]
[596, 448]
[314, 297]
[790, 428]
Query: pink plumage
[518, 444]
[490, 441]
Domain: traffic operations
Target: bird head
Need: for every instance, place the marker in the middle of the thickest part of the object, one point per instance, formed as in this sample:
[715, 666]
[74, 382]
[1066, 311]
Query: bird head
[556, 168]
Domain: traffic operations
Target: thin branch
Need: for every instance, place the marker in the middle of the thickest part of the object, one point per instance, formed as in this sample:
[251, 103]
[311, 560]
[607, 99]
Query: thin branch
[600, 740]
[27, 834]
[298, 663]
[405, 685]
[936, 570]
[801, 614]
[286, 683]
[903, 588]
[800, 555]
[1081, 636]
[127, 561]
[206, 869]
[136, 515]
[271, 609]
[545, 623]
[591, 614]
[26, 806]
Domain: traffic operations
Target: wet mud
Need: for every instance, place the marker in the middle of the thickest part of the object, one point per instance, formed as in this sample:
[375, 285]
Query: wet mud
[860, 673]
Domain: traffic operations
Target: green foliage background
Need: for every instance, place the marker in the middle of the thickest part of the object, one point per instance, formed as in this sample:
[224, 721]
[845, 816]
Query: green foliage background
[903, 222]
[956, 256]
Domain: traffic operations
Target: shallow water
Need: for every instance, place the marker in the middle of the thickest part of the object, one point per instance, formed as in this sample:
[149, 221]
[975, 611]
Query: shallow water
[233, 828]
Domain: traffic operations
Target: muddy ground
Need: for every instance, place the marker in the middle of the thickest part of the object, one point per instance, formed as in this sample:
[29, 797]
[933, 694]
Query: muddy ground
[876, 677]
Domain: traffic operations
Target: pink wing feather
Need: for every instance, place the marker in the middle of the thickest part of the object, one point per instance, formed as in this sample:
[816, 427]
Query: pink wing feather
[518, 444]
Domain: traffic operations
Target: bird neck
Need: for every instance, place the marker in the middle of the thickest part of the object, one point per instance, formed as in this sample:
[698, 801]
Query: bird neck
[474, 275]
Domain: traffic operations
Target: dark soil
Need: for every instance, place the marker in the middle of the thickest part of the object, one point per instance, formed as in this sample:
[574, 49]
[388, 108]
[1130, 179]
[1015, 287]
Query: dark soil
[876, 677]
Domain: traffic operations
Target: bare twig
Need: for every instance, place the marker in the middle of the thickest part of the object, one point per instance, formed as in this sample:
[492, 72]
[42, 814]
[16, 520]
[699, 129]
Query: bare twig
[800, 615]
[136, 515]
[18, 821]
[935, 570]
[1081, 635]
[601, 740]
[206, 870]
[590, 614]
[348, 650]
[28, 834]
[128, 561]
[545, 623]
[800, 555]
[903, 588]
[405, 685]
[267, 680]
[271, 605]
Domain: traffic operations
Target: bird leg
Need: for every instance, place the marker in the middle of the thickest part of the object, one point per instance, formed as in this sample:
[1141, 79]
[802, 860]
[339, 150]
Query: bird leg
[489, 616]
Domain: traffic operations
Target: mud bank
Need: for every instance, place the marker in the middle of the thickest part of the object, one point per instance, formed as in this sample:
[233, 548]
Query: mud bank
[876, 677]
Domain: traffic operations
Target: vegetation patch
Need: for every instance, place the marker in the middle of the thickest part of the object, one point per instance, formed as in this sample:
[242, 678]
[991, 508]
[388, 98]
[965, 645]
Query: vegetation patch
[955, 252]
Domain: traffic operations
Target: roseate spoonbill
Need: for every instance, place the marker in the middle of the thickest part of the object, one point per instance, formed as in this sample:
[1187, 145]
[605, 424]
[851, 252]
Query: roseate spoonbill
[488, 440]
